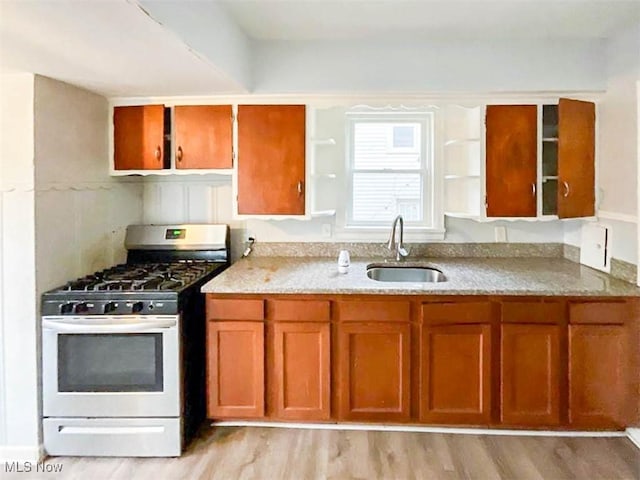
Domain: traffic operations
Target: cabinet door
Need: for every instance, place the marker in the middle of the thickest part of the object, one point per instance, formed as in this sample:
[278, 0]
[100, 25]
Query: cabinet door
[374, 374]
[138, 137]
[456, 374]
[271, 159]
[530, 380]
[301, 370]
[576, 161]
[598, 376]
[203, 136]
[235, 376]
[511, 160]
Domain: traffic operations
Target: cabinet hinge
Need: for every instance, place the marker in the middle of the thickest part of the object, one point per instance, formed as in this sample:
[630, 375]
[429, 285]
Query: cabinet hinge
[486, 202]
[233, 117]
[233, 156]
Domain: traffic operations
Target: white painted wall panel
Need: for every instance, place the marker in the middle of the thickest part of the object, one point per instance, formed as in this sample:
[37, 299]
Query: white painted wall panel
[19, 315]
[19, 420]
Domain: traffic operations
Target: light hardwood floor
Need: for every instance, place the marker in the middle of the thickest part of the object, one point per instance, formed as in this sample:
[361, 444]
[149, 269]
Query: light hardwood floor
[231, 453]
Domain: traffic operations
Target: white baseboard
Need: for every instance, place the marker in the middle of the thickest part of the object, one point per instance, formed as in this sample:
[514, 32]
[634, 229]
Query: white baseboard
[21, 454]
[415, 428]
[634, 435]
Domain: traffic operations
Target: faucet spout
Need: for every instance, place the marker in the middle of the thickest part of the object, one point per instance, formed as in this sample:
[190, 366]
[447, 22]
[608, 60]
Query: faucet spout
[398, 247]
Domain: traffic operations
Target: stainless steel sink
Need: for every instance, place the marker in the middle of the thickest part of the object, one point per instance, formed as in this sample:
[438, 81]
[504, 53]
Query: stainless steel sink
[395, 273]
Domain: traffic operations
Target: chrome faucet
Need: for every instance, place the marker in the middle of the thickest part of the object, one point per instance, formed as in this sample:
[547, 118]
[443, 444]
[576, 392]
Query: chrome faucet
[398, 247]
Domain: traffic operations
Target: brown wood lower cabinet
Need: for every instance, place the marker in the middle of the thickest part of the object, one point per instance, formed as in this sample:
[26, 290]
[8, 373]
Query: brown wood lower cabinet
[301, 370]
[235, 374]
[598, 378]
[530, 375]
[373, 370]
[505, 361]
[456, 376]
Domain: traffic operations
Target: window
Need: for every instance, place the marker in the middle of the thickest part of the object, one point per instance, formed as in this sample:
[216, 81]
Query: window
[390, 168]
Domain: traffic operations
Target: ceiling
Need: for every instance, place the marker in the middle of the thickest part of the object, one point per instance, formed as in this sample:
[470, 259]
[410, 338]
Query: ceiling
[159, 47]
[431, 19]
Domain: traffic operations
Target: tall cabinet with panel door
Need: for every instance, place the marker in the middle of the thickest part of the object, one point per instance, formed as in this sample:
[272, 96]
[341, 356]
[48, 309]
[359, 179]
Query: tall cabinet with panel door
[271, 159]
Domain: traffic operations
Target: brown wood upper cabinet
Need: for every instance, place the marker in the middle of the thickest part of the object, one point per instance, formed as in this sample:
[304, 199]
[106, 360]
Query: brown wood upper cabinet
[271, 159]
[511, 160]
[203, 136]
[138, 137]
[565, 184]
[576, 158]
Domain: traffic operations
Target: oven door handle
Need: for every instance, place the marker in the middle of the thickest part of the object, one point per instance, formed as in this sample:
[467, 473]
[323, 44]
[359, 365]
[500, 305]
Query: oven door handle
[120, 327]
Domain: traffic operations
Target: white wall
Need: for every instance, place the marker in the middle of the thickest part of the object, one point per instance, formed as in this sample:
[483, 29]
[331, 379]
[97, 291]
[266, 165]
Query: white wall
[617, 148]
[398, 65]
[19, 419]
[618, 125]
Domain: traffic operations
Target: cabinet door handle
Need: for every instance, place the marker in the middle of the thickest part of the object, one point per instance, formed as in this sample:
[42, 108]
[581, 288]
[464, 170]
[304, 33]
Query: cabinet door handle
[533, 189]
[158, 153]
[566, 189]
[300, 188]
[179, 154]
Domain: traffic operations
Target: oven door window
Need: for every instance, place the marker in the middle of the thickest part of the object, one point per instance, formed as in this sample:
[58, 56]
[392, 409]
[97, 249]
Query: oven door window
[129, 362]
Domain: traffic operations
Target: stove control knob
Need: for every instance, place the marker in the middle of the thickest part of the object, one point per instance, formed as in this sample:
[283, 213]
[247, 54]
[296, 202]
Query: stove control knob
[66, 309]
[81, 308]
[110, 307]
[137, 307]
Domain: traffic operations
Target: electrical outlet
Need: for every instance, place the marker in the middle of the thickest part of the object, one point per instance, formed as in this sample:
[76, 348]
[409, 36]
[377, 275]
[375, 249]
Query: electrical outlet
[500, 234]
[326, 229]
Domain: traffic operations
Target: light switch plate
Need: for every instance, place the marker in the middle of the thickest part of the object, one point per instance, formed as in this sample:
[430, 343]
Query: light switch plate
[595, 248]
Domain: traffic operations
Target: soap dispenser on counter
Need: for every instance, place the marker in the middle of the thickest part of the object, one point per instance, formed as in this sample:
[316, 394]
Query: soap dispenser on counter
[343, 261]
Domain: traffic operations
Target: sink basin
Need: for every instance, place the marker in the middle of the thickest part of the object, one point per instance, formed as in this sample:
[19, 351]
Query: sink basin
[395, 273]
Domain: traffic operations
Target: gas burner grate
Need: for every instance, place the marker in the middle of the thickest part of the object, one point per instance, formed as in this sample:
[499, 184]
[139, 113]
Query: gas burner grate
[146, 276]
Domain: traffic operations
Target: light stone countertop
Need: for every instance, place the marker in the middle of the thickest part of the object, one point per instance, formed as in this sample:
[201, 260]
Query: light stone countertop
[465, 276]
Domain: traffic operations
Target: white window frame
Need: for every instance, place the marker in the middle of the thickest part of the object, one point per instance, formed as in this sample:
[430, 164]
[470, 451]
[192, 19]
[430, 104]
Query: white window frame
[432, 226]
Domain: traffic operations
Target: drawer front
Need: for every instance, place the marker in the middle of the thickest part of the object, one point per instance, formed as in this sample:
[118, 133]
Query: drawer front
[532, 312]
[299, 310]
[601, 313]
[376, 311]
[234, 309]
[460, 313]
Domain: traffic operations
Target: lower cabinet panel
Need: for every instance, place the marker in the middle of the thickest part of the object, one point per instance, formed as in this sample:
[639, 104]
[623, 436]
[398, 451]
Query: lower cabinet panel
[374, 372]
[598, 378]
[456, 375]
[235, 377]
[301, 375]
[530, 381]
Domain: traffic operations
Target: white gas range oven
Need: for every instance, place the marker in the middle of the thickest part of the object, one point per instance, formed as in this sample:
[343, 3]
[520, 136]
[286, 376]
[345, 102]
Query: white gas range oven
[123, 350]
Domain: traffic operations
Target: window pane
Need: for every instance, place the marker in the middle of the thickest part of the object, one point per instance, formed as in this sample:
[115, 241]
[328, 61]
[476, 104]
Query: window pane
[374, 142]
[403, 136]
[379, 197]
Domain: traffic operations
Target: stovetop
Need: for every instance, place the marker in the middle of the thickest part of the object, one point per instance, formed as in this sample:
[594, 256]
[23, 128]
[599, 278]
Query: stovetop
[141, 288]
[172, 276]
